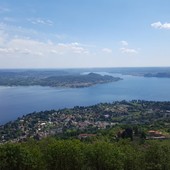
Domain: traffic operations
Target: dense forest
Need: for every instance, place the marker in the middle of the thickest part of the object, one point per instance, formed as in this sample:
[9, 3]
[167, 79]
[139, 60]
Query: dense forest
[88, 154]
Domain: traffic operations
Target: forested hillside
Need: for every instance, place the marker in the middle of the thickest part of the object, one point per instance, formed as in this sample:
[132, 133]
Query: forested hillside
[117, 136]
[54, 154]
[52, 78]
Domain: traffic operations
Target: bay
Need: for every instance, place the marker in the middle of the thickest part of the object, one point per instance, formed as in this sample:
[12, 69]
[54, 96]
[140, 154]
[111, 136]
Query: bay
[17, 101]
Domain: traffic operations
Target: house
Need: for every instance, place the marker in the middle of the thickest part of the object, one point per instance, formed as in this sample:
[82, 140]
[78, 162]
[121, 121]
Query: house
[154, 134]
[85, 135]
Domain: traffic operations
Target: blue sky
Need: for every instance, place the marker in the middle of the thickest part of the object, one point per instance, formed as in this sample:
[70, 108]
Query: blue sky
[84, 33]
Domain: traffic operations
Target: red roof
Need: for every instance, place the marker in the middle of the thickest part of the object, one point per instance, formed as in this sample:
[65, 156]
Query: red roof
[86, 135]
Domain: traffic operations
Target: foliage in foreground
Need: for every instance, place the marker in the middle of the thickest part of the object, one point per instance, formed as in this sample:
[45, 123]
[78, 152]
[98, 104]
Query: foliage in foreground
[51, 153]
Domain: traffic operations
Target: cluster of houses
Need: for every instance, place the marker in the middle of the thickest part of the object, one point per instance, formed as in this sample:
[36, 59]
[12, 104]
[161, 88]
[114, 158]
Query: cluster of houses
[154, 134]
[100, 116]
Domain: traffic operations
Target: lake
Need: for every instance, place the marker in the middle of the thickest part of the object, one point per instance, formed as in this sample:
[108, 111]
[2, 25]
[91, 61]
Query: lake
[17, 101]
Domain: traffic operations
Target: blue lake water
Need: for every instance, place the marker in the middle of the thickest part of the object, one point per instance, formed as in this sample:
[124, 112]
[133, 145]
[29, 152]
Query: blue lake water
[17, 101]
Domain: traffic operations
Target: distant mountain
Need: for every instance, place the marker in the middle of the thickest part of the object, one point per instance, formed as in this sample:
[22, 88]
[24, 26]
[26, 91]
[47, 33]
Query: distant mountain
[53, 79]
[160, 75]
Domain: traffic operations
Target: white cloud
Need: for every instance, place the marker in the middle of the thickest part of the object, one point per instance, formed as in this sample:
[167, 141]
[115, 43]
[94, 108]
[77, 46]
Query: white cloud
[3, 37]
[20, 41]
[61, 36]
[54, 51]
[107, 50]
[20, 52]
[128, 50]
[4, 50]
[73, 47]
[23, 46]
[159, 25]
[124, 43]
[1, 40]
[29, 38]
[4, 9]
[17, 31]
[40, 21]
[9, 19]
[125, 48]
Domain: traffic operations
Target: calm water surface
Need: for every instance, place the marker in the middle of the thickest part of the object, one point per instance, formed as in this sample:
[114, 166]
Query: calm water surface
[17, 101]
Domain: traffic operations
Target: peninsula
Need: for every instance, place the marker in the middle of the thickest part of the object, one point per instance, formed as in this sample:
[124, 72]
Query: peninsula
[53, 78]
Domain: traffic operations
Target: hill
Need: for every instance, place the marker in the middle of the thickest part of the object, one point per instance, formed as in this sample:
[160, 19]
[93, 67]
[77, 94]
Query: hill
[52, 78]
[148, 114]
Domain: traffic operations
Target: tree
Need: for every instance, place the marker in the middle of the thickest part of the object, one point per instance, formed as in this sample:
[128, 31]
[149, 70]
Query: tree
[64, 155]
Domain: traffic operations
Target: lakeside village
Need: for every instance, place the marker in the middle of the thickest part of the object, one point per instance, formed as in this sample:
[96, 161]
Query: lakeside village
[147, 118]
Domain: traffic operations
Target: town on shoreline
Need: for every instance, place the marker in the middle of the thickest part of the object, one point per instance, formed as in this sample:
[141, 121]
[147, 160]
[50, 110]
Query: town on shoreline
[148, 115]
[54, 78]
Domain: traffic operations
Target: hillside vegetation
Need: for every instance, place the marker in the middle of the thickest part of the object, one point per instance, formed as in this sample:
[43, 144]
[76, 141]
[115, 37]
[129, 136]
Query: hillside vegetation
[91, 154]
[117, 136]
